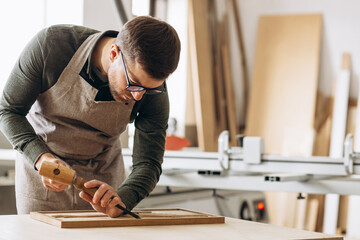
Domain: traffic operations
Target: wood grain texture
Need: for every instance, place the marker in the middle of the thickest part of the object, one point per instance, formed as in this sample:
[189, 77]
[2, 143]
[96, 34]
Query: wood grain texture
[220, 100]
[190, 119]
[231, 112]
[57, 172]
[149, 217]
[284, 81]
[228, 81]
[283, 95]
[242, 52]
[201, 68]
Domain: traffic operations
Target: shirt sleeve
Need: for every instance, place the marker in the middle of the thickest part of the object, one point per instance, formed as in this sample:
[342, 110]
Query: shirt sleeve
[148, 151]
[21, 90]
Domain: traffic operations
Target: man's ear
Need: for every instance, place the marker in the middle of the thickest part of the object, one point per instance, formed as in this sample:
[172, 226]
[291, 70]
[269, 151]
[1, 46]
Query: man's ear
[114, 52]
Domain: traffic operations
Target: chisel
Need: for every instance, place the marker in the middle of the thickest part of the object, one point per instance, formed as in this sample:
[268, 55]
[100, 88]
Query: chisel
[68, 176]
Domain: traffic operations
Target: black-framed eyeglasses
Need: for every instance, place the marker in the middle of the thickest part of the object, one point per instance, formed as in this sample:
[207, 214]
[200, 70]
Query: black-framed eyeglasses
[137, 88]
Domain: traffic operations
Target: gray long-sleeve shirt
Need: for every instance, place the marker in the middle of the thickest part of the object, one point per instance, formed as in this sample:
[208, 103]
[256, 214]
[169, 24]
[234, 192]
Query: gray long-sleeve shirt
[38, 69]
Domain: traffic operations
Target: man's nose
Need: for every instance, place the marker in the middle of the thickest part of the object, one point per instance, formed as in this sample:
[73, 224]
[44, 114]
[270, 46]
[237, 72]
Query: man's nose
[138, 95]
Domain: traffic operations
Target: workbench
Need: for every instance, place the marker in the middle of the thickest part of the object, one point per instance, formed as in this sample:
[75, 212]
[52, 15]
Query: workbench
[19, 227]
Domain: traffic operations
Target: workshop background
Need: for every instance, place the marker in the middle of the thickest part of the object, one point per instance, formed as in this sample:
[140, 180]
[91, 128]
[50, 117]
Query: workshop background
[268, 68]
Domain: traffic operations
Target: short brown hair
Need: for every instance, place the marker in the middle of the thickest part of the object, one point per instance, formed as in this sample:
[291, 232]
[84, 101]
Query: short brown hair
[152, 43]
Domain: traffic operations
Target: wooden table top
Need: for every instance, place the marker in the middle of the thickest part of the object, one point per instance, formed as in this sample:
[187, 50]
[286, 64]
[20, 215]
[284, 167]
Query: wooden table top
[23, 227]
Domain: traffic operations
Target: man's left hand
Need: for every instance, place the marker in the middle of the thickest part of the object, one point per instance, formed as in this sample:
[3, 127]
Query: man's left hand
[105, 198]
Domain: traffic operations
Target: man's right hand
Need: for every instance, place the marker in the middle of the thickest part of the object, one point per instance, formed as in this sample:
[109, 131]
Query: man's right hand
[47, 182]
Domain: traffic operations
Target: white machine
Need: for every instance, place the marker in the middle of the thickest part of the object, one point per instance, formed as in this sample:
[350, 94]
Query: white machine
[248, 168]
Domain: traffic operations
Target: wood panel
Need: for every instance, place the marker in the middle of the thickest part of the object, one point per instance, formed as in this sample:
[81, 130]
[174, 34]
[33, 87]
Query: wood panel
[231, 112]
[282, 97]
[228, 82]
[242, 53]
[218, 74]
[190, 120]
[149, 217]
[323, 122]
[201, 68]
[284, 81]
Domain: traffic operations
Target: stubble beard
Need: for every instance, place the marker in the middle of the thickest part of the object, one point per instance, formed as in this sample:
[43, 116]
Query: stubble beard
[118, 97]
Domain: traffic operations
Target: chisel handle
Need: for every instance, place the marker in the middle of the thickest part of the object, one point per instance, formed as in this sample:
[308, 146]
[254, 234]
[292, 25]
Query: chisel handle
[79, 184]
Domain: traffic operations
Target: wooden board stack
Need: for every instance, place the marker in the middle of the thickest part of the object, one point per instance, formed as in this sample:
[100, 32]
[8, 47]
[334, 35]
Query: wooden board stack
[210, 75]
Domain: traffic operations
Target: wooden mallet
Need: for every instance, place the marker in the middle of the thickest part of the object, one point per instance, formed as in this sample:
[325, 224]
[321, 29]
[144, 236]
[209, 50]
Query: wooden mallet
[68, 176]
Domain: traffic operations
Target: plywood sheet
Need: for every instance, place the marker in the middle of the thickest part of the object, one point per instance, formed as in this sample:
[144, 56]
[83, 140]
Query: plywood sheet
[233, 129]
[201, 68]
[217, 70]
[283, 89]
[242, 53]
[284, 80]
[149, 217]
[228, 82]
[190, 120]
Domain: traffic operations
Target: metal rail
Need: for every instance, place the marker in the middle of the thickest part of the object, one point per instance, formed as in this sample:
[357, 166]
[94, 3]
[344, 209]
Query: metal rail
[248, 168]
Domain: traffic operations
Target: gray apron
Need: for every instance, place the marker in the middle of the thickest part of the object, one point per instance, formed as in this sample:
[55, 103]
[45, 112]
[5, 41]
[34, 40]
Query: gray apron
[77, 129]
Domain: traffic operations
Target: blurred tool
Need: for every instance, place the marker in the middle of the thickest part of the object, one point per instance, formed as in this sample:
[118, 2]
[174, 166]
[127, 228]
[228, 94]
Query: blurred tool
[174, 142]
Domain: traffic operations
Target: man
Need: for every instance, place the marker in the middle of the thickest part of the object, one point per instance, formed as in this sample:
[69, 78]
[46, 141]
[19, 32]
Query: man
[69, 97]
